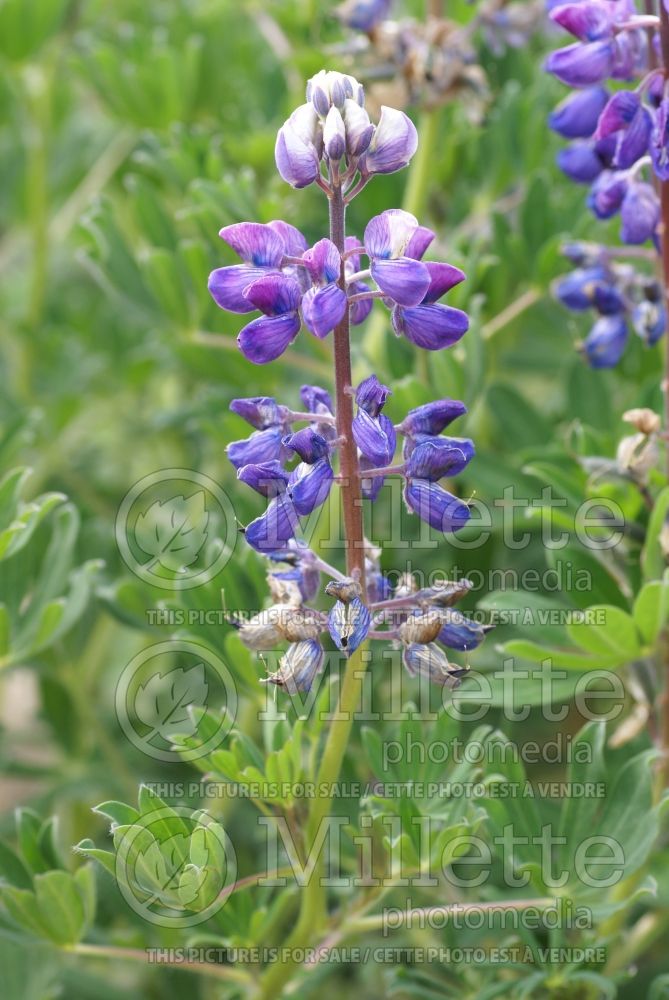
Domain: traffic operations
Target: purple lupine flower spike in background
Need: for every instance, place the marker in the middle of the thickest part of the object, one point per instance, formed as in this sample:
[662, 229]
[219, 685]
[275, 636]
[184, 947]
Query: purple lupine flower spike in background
[620, 150]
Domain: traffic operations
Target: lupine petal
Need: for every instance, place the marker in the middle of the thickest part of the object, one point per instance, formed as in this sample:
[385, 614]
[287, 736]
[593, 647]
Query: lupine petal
[432, 418]
[419, 242]
[394, 142]
[581, 65]
[310, 485]
[259, 411]
[577, 116]
[299, 666]
[227, 284]
[618, 113]
[323, 261]
[435, 505]
[605, 344]
[443, 277]
[639, 214]
[316, 399]
[294, 242]
[429, 661]
[349, 624]
[438, 457]
[404, 280]
[649, 320]
[266, 338]
[375, 437]
[432, 326]
[371, 395]
[370, 486]
[262, 446]
[266, 478]
[580, 162]
[361, 308]
[323, 308]
[359, 129]
[587, 21]
[274, 294]
[607, 193]
[271, 531]
[296, 161]
[256, 243]
[308, 444]
[633, 143]
[390, 233]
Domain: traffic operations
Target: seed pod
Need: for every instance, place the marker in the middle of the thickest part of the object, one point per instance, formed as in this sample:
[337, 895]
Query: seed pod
[344, 590]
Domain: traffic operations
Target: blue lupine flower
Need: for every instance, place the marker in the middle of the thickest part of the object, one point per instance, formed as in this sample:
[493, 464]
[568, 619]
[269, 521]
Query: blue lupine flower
[580, 65]
[605, 344]
[436, 505]
[323, 305]
[639, 213]
[363, 15]
[659, 141]
[649, 320]
[261, 446]
[375, 437]
[270, 532]
[310, 485]
[263, 249]
[576, 117]
[371, 395]
[259, 411]
[429, 324]
[432, 418]
[266, 478]
[348, 624]
[607, 193]
[626, 118]
[434, 458]
[308, 444]
[392, 145]
[278, 296]
[581, 161]
[588, 287]
[401, 278]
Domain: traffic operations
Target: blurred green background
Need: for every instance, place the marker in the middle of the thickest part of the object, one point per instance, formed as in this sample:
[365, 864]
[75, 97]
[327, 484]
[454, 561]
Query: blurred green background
[131, 133]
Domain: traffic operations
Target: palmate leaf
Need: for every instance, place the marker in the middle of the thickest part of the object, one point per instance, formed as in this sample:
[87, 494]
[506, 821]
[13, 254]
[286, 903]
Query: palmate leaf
[173, 532]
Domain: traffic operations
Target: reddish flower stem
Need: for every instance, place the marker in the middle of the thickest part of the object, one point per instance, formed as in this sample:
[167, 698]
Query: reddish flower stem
[351, 497]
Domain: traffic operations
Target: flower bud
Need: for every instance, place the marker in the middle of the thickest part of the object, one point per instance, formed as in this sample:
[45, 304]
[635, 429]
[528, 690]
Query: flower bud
[393, 144]
[636, 456]
[334, 135]
[344, 590]
[359, 129]
[298, 148]
[431, 662]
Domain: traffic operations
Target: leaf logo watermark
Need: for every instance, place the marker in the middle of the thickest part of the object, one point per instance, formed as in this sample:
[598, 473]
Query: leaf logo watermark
[176, 529]
[162, 695]
[174, 866]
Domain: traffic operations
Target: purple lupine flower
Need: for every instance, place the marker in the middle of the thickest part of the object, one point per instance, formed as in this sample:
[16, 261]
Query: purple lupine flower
[375, 437]
[432, 418]
[581, 161]
[308, 444]
[371, 395]
[576, 117]
[639, 213]
[259, 411]
[270, 532]
[430, 324]
[266, 478]
[581, 65]
[605, 344]
[324, 304]
[262, 248]
[401, 278]
[393, 144]
[261, 446]
[310, 484]
[588, 287]
[434, 458]
[278, 296]
[626, 118]
[299, 147]
[348, 624]
[607, 193]
[436, 505]
[316, 400]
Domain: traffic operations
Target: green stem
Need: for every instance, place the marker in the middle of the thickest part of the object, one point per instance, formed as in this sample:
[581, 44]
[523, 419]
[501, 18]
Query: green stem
[224, 972]
[38, 99]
